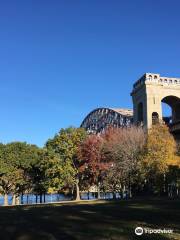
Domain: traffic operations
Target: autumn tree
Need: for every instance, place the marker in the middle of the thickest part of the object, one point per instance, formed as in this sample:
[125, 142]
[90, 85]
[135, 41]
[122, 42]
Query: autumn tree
[160, 153]
[94, 164]
[124, 147]
[65, 145]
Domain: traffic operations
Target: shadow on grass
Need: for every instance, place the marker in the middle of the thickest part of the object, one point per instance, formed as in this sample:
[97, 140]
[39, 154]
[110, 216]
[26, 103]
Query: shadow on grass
[90, 220]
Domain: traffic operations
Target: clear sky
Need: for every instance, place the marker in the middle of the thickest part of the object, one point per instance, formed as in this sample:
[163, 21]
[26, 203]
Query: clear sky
[60, 59]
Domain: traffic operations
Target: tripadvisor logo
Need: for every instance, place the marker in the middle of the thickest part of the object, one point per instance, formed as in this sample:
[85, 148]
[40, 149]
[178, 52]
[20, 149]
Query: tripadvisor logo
[139, 231]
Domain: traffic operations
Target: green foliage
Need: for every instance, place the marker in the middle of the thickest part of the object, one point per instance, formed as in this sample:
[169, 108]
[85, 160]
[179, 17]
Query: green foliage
[66, 164]
[66, 142]
[57, 173]
[16, 160]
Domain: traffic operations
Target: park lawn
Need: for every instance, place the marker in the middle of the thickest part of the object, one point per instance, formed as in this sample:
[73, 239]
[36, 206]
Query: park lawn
[93, 220]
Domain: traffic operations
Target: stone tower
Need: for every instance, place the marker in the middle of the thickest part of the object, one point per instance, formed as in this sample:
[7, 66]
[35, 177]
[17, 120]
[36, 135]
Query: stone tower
[149, 92]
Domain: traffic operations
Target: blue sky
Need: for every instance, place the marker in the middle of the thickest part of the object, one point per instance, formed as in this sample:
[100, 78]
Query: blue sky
[60, 59]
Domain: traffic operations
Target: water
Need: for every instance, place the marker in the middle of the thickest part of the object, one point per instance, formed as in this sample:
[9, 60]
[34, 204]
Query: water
[86, 196]
[31, 198]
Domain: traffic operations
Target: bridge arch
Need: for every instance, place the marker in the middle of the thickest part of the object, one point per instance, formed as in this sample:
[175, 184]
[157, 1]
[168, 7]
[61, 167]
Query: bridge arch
[101, 118]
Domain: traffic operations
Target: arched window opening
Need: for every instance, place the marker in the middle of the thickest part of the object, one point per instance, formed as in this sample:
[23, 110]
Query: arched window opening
[155, 118]
[140, 112]
[150, 77]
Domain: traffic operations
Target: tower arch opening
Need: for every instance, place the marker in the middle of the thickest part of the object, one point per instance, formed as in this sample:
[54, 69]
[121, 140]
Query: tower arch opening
[170, 109]
[166, 113]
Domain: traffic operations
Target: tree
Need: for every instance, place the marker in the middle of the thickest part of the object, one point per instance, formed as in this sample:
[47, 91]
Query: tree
[160, 152]
[123, 146]
[38, 177]
[8, 175]
[57, 173]
[65, 144]
[94, 164]
[16, 160]
[114, 179]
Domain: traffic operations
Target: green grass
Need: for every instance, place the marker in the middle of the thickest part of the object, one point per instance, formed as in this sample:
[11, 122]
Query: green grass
[90, 220]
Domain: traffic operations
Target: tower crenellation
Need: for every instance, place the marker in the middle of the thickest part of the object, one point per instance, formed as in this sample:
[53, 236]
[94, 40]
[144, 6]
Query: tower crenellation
[155, 78]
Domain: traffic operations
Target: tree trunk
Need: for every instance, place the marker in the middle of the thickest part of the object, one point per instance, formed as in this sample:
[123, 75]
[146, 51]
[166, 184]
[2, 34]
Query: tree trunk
[22, 199]
[98, 195]
[98, 192]
[130, 193]
[41, 198]
[72, 193]
[44, 197]
[17, 200]
[114, 195]
[177, 190]
[6, 199]
[14, 200]
[27, 199]
[164, 183]
[124, 192]
[77, 191]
